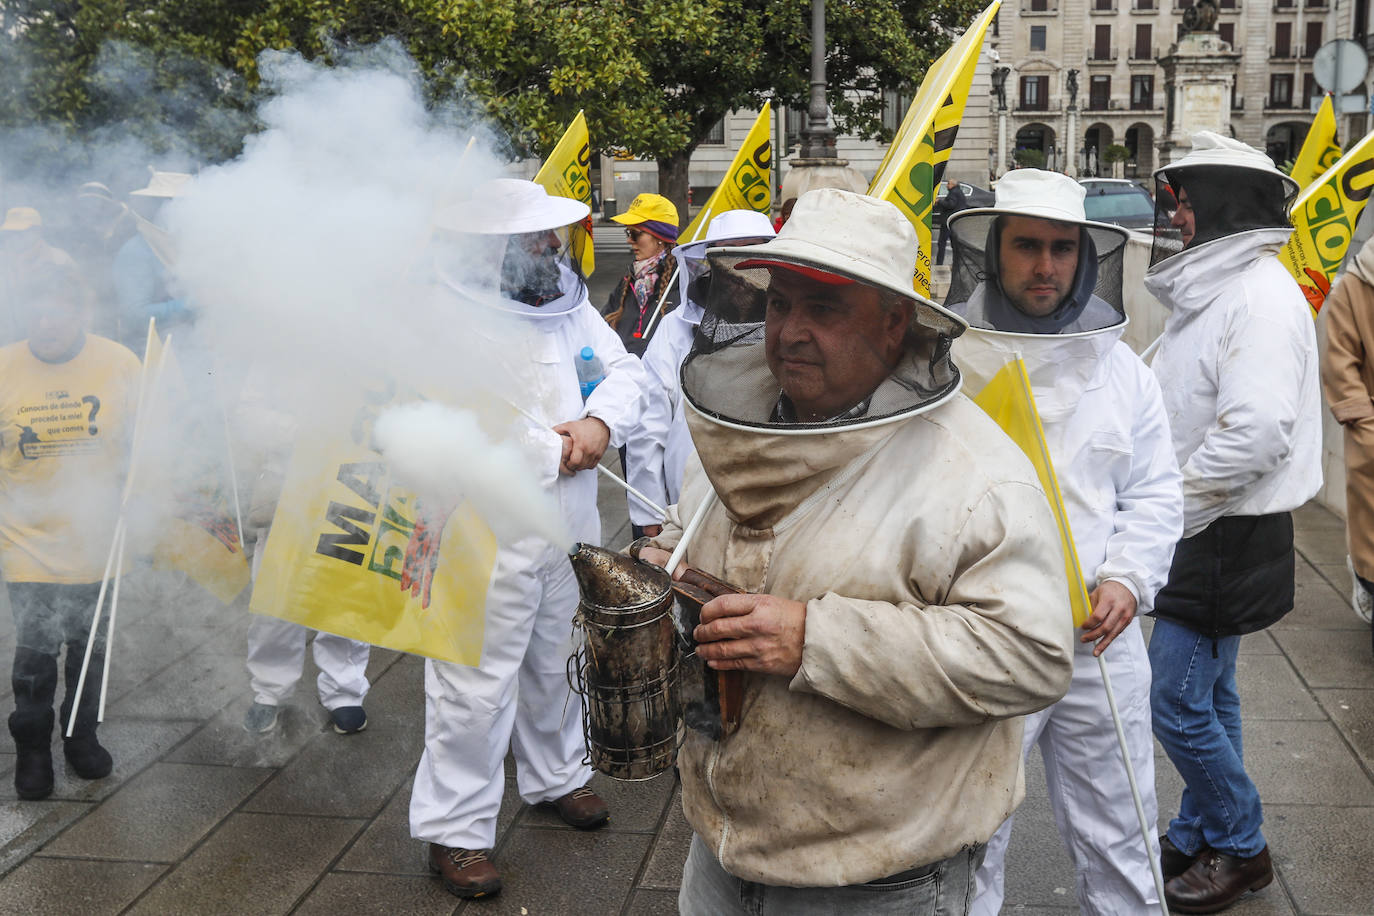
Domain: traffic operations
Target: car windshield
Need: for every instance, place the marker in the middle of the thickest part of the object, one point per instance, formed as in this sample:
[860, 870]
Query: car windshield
[1108, 207]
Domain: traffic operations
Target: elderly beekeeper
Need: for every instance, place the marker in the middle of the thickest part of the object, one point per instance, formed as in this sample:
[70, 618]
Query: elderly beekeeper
[899, 614]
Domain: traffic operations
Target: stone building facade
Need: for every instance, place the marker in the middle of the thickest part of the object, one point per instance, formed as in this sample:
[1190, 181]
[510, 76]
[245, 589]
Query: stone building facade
[1085, 74]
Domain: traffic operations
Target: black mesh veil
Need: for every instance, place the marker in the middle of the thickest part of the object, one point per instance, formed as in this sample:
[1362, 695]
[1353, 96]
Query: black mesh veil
[1219, 201]
[1093, 297]
[726, 375]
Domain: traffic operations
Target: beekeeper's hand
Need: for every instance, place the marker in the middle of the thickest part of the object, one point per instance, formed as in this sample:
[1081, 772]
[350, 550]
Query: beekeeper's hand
[584, 443]
[1113, 611]
[660, 557]
[747, 632]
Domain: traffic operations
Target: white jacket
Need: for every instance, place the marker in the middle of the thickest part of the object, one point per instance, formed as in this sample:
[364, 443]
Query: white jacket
[542, 366]
[1237, 364]
[1109, 441]
[657, 450]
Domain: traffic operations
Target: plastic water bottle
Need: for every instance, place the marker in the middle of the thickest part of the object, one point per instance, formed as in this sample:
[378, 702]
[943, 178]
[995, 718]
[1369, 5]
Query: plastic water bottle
[590, 372]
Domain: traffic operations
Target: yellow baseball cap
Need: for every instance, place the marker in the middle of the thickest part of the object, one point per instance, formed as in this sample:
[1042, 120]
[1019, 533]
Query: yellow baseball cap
[649, 208]
[18, 219]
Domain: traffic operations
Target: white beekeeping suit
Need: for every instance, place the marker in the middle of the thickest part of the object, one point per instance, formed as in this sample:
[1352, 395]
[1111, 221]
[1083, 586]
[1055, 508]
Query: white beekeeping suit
[519, 697]
[1038, 280]
[657, 450]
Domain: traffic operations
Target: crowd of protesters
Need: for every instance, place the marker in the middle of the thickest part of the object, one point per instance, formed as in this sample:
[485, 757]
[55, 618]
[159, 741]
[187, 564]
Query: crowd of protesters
[905, 629]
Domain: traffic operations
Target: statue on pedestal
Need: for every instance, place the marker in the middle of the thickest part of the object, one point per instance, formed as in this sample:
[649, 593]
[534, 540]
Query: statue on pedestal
[999, 85]
[1201, 16]
[1072, 86]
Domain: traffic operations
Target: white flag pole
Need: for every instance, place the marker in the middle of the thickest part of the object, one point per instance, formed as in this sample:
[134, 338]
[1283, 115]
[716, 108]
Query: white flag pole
[1146, 831]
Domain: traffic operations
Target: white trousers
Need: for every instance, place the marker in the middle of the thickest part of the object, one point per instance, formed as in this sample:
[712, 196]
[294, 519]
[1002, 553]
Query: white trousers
[518, 698]
[1088, 789]
[276, 658]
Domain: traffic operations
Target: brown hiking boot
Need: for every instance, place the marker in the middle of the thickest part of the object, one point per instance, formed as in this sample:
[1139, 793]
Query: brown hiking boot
[467, 873]
[582, 808]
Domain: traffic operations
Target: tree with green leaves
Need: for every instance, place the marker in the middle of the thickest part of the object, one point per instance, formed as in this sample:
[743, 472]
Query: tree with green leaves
[653, 78]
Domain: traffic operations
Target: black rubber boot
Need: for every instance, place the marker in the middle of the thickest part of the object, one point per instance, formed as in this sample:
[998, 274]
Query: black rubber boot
[83, 751]
[35, 683]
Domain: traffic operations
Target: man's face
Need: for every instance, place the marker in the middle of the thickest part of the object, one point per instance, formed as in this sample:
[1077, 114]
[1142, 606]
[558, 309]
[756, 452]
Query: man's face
[55, 323]
[1037, 261]
[829, 346]
[1183, 219]
[951, 184]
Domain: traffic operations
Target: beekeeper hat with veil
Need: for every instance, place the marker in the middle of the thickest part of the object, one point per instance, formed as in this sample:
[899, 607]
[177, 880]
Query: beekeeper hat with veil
[509, 239]
[836, 245]
[1034, 277]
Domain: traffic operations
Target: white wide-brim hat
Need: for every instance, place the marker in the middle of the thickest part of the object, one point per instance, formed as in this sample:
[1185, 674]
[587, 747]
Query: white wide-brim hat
[856, 237]
[510, 206]
[163, 184]
[728, 226]
[1211, 148]
[1042, 195]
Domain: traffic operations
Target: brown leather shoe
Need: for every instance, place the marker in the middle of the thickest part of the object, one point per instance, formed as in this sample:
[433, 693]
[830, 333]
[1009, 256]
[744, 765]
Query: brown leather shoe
[582, 808]
[467, 873]
[1217, 880]
[1174, 861]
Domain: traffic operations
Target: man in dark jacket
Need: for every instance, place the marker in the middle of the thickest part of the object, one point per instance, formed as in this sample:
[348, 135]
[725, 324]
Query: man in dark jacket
[953, 201]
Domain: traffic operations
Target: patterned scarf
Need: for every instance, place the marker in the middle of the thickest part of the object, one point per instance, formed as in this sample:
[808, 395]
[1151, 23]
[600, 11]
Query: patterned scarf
[644, 277]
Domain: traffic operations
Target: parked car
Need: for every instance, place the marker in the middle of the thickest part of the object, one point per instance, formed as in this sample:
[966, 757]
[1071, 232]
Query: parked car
[1123, 203]
[976, 197]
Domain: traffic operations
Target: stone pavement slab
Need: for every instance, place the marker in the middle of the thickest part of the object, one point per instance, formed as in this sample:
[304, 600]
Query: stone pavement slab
[74, 887]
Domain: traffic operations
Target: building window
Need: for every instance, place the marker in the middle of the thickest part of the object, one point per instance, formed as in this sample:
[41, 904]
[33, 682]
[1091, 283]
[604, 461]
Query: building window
[1142, 91]
[1227, 4]
[1314, 38]
[716, 135]
[796, 120]
[1102, 42]
[1144, 4]
[1283, 4]
[1039, 6]
[1281, 90]
[1283, 39]
[1104, 4]
[1310, 92]
[996, 23]
[1035, 93]
[1099, 92]
[1037, 38]
[1226, 31]
[895, 105]
[1143, 34]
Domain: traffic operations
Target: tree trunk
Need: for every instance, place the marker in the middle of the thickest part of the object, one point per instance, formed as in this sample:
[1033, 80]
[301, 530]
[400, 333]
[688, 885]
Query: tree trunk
[673, 183]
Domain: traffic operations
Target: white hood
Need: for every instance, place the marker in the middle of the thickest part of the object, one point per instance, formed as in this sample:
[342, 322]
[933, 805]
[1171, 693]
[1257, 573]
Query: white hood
[1193, 278]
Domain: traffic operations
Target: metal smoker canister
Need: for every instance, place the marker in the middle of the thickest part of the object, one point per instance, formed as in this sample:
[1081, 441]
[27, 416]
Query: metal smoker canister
[627, 672]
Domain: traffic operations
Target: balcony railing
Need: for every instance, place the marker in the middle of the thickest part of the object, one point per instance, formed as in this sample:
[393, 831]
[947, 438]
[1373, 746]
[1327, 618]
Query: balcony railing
[1149, 54]
[1282, 104]
[1039, 7]
[1316, 4]
[1145, 104]
[1238, 103]
[1101, 55]
[1289, 53]
[1033, 105]
[1285, 6]
[1100, 7]
[1144, 6]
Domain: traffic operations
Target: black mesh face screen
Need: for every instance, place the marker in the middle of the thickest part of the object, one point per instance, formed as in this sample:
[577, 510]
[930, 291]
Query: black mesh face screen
[1203, 203]
[727, 375]
[1092, 301]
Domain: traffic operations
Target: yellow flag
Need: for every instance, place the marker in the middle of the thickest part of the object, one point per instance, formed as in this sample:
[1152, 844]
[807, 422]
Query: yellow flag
[916, 159]
[183, 507]
[567, 173]
[337, 547]
[1321, 149]
[747, 184]
[1008, 400]
[1324, 217]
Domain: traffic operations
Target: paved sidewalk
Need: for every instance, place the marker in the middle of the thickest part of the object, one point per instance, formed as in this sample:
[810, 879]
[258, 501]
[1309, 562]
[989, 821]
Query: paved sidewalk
[199, 817]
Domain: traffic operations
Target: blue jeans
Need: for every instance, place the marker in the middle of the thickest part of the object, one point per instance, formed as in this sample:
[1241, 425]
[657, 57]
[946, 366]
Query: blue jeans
[1197, 719]
[943, 888]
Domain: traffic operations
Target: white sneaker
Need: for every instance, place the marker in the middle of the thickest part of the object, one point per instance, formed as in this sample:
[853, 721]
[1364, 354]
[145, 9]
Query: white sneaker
[1360, 599]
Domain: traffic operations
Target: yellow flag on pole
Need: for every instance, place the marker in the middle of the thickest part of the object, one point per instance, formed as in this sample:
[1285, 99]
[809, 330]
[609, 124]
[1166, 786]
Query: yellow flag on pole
[337, 548]
[922, 146]
[1008, 400]
[1324, 217]
[747, 184]
[1320, 150]
[184, 500]
[567, 173]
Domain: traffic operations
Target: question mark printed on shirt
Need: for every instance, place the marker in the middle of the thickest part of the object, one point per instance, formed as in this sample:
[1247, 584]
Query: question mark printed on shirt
[58, 425]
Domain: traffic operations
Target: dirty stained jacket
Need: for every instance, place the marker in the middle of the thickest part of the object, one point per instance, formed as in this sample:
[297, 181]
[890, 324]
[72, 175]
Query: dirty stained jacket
[1237, 365]
[936, 613]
